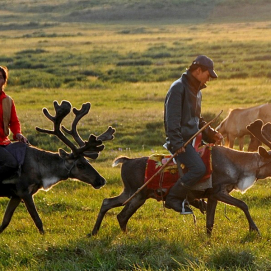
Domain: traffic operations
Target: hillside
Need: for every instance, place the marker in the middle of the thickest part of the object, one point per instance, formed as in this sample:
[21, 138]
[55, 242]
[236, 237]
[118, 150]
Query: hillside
[134, 10]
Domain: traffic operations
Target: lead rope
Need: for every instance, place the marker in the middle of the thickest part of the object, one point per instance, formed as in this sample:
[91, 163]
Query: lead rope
[225, 212]
[194, 216]
[161, 189]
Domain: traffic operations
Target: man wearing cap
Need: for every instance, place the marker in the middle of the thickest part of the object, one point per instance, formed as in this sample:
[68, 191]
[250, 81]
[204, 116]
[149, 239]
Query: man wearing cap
[182, 119]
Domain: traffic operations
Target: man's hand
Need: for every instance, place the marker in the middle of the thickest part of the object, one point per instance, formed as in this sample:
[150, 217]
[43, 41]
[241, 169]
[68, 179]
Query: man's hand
[218, 138]
[182, 149]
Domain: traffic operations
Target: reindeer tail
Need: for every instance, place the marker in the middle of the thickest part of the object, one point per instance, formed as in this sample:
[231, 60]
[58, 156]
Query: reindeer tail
[120, 160]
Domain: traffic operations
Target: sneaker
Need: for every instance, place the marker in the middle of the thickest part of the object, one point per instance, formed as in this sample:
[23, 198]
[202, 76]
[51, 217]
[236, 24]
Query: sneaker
[186, 210]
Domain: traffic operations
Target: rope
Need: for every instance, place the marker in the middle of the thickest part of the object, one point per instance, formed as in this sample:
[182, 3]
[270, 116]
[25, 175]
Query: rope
[225, 212]
[161, 188]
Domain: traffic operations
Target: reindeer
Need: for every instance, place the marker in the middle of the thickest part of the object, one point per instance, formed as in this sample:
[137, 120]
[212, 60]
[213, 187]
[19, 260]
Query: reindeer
[234, 125]
[43, 169]
[232, 170]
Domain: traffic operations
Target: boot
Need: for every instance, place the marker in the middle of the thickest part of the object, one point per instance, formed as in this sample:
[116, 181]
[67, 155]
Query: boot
[176, 199]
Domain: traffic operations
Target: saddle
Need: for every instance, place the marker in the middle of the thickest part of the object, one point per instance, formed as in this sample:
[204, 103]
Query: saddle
[162, 182]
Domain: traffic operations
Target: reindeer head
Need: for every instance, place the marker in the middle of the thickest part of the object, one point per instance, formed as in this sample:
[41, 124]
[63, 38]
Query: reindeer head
[263, 134]
[90, 148]
[75, 165]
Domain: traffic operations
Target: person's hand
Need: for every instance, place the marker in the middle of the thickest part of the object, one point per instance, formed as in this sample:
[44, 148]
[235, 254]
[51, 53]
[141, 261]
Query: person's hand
[21, 138]
[218, 138]
[182, 149]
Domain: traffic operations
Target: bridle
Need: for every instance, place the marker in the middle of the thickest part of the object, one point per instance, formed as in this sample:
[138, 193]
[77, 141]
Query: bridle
[70, 169]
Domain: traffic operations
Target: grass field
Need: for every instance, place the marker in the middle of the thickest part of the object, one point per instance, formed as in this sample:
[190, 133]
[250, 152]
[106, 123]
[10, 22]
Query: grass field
[124, 68]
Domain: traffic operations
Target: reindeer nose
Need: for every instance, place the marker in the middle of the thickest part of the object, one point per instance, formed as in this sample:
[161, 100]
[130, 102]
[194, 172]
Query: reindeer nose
[100, 182]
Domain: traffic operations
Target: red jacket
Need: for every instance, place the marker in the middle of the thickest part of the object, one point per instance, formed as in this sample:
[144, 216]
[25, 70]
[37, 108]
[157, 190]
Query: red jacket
[14, 125]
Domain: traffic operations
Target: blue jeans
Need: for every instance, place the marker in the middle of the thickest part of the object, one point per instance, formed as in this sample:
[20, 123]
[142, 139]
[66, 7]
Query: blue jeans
[192, 160]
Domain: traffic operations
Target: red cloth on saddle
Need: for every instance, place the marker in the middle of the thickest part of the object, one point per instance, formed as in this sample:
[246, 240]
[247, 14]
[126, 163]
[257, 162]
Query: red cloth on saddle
[168, 177]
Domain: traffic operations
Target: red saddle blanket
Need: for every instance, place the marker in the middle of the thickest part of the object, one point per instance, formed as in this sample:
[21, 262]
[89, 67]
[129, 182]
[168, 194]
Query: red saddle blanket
[168, 177]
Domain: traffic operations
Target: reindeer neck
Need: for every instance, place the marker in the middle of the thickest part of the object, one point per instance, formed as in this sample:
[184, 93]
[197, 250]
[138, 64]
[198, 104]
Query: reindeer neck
[264, 168]
[47, 168]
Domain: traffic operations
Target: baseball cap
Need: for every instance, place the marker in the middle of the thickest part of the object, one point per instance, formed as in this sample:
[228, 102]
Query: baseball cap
[206, 62]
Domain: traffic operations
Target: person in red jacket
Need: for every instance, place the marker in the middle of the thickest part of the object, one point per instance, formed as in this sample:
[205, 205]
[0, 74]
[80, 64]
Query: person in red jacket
[8, 122]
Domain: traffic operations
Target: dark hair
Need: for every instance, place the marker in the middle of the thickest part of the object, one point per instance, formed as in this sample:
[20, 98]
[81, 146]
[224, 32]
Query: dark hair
[4, 71]
[193, 67]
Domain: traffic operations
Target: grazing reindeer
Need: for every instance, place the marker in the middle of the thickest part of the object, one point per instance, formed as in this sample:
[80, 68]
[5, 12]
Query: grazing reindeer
[232, 170]
[42, 169]
[234, 125]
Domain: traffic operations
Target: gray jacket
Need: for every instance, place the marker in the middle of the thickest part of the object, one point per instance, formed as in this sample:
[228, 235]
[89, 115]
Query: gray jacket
[182, 112]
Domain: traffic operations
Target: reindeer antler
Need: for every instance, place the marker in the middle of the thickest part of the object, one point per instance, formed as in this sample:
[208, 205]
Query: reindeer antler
[261, 132]
[107, 135]
[78, 115]
[90, 148]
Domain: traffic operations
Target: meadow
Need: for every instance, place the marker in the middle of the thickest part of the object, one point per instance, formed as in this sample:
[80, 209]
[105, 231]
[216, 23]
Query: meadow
[124, 70]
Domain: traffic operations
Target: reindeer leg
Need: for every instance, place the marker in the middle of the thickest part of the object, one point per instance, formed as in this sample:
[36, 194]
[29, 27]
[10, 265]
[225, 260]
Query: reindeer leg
[31, 208]
[12, 205]
[129, 210]
[227, 142]
[240, 204]
[200, 204]
[210, 215]
[241, 143]
[231, 141]
[107, 204]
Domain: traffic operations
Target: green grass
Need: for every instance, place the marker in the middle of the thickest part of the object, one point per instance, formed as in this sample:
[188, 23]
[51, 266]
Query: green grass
[124, 68]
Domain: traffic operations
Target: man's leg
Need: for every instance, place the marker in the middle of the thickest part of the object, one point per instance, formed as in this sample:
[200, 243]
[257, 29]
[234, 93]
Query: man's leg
[8, 164]
[196, 170]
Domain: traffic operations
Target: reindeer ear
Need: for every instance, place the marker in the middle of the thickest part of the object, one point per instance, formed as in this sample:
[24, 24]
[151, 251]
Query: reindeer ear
[63, 154]
[263, 152]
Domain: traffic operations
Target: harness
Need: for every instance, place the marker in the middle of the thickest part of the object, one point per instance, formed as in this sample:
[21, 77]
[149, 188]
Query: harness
[69, 169]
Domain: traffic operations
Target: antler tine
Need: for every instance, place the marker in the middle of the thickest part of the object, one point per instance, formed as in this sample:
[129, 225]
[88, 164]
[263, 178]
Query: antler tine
[107, 135]
[92, 147]
[256, 129]
[78, 115]
[95, 143]
[62, 111]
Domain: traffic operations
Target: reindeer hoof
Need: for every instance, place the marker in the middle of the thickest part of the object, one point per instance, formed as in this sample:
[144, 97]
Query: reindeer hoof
[89, 235]
[254, 229]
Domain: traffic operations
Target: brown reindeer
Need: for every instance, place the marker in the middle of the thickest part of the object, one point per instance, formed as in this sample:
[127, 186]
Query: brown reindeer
[232, 170]
[234, 125]
[42, 169]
